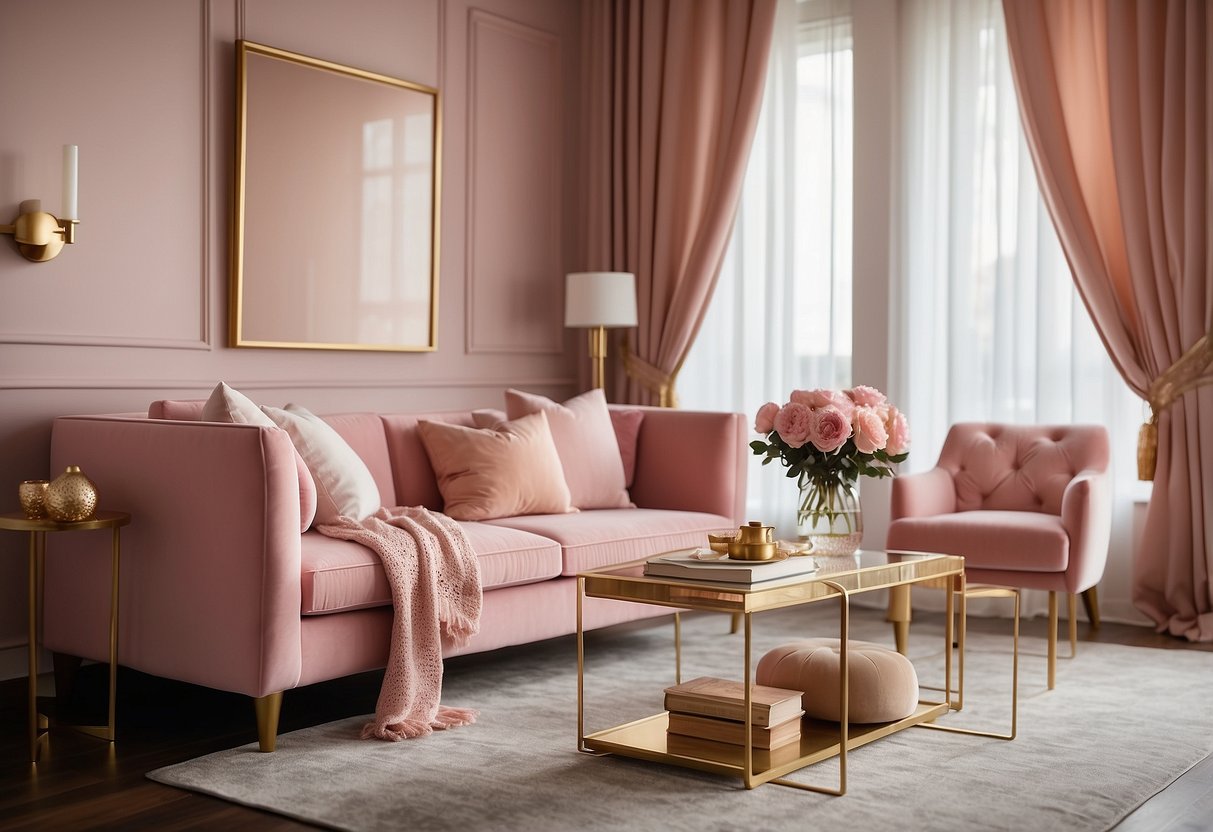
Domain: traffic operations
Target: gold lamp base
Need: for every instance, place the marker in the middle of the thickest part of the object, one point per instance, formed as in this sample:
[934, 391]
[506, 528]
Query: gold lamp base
[598, 344]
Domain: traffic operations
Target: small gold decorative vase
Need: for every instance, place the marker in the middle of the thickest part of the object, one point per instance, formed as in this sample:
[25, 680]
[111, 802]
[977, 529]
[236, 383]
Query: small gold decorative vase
[32, 496]
[71, 496]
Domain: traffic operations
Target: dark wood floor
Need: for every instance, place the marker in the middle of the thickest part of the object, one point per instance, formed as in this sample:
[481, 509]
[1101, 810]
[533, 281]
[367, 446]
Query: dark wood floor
[84, 783]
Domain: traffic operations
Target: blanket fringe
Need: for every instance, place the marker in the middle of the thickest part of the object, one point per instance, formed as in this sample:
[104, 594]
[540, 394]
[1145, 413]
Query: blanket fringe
[454, 717]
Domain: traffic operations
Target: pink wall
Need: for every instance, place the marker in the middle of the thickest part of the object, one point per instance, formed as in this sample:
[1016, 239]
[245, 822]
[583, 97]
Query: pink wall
[137, 309]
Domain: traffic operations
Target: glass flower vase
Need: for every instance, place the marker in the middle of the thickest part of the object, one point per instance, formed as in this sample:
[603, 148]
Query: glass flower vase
[829, 516]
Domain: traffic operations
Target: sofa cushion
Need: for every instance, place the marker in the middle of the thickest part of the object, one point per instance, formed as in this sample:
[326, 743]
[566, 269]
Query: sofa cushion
[364, 433]
[500, 472]
[585, 440]
[344, 485]
[176, 409]
[593, 539]
[341, 575]
[1016, 540]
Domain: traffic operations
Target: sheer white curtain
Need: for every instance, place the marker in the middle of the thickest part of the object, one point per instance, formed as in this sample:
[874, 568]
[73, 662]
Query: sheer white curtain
[781, 315]
[990, 325]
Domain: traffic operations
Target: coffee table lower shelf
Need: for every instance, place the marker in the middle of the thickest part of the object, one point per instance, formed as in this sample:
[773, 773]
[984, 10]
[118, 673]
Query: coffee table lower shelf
[647, 739]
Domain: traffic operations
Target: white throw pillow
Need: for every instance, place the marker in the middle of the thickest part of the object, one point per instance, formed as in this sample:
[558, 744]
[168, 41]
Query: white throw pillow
[228, 405]
[344, 485]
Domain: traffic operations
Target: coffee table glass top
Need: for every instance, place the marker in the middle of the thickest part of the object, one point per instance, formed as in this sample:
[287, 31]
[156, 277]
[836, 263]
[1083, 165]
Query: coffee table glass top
[864, 571]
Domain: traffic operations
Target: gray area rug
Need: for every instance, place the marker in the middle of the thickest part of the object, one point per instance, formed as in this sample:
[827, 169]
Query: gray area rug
[1123, 723]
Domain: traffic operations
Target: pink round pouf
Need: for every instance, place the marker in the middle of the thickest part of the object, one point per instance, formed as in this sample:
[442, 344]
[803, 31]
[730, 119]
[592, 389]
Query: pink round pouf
[883, 684]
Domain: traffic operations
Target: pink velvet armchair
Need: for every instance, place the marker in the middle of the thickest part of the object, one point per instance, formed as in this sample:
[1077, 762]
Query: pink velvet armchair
[1026, 506]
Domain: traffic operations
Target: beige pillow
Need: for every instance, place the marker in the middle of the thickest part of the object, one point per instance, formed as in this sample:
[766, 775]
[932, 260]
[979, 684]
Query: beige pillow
[344, 485]
[228, 405]
[505, 471]
[585, 440]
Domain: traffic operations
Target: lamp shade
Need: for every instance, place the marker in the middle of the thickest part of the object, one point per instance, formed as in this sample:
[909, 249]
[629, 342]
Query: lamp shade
[600, 299]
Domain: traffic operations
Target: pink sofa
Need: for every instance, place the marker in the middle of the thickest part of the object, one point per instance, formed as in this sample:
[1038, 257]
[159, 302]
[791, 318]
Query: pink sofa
[220, 588]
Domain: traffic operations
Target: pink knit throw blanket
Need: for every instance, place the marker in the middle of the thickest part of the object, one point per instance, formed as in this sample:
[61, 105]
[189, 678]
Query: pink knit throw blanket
[435, 580]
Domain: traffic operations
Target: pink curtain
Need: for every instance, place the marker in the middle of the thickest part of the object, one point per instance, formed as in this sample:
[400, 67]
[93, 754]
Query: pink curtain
[1116, 98]
[673, 91]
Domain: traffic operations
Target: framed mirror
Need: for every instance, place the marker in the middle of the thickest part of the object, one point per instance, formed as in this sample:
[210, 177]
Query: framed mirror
[335, 242]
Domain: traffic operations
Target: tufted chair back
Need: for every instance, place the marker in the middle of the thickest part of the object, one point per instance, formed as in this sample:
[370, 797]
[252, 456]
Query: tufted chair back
[1019, 467]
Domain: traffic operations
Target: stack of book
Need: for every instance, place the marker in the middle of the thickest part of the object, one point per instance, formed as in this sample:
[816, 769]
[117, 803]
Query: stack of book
[708, 712]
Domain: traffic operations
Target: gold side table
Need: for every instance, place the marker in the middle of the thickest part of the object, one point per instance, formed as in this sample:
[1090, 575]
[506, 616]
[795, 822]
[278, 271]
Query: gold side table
[113, 520]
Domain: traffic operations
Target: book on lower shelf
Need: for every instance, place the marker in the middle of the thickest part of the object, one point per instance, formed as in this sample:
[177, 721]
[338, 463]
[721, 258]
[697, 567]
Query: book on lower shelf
[686, 564]
[724, 752]
[733, 732]
[725, 699]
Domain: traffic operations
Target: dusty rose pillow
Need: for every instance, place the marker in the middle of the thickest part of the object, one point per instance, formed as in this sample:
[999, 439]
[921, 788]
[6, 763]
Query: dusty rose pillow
[627, 434]
[506, 471]
[585, 441]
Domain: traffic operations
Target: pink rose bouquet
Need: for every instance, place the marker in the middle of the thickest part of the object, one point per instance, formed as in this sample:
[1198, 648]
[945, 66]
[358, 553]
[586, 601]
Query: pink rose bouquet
[837, 436]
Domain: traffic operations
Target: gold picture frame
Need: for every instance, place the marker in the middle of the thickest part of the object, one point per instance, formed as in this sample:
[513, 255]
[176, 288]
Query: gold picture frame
[337, 194]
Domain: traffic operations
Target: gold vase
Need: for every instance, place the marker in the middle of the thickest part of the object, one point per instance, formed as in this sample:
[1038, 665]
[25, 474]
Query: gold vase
[71, 496]
[32, 496]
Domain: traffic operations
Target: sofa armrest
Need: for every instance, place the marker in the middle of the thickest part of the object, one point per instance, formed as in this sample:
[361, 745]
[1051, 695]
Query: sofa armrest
[692, 461]
[1086, 514]
[210, 568]
[923, 495]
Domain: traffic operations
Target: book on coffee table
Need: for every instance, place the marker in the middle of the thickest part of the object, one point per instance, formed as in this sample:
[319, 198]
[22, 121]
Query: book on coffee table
[733, 732]
[685, 564]
[725, 699]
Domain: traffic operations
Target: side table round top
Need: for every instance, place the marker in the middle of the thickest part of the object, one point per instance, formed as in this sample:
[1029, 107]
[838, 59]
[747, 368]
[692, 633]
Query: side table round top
[18, 522]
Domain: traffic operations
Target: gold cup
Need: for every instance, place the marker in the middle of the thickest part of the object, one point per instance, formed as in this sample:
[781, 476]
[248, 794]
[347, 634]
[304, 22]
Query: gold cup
[32, 496]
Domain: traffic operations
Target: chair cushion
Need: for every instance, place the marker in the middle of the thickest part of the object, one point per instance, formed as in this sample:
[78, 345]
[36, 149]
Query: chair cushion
[882, 683]
[1021, 541]
[604, 537]
[341, 575]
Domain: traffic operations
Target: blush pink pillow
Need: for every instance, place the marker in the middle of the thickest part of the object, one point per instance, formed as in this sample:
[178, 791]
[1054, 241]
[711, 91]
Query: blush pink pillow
[506, 471]
[585, 441]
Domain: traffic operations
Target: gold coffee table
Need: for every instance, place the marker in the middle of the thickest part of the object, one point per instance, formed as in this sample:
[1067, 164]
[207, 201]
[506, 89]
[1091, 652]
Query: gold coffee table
[836, 579]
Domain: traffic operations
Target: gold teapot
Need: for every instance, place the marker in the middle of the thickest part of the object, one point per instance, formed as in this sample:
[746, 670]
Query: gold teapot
[754, 542]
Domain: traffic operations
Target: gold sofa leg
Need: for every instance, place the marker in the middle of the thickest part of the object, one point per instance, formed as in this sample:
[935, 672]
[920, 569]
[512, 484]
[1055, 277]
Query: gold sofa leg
[1072, 612]
[735, 624]
[1090, 600]
[268, 707]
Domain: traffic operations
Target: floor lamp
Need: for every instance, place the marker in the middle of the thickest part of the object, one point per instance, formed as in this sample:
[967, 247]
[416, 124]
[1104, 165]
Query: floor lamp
[597, 300]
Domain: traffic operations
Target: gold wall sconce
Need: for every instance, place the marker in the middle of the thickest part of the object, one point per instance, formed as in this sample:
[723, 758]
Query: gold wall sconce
[40, 236]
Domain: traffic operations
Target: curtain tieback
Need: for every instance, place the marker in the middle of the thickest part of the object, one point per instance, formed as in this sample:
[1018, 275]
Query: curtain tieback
[658, 381]
[1193, 369]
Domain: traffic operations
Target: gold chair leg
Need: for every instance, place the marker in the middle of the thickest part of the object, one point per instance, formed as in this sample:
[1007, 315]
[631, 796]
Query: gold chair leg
[268, 707]
[899, 612]
[1072, 611]
[1090, 600]
[1052, 639]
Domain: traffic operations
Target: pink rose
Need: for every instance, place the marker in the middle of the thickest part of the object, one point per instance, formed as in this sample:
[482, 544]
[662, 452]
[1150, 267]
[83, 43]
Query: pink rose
[865, 396]
[814, 398]
[899, 432]
[830, 429]
[793, 422]
[870, 432]
[844, 404]
[764, 422]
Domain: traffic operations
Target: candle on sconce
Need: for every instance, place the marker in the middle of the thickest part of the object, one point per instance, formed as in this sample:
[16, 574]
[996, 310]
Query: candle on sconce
[70, 182]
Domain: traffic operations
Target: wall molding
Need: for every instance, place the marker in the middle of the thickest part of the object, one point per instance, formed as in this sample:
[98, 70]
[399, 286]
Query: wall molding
[278, 384]
[201, 341]
[480, 19]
